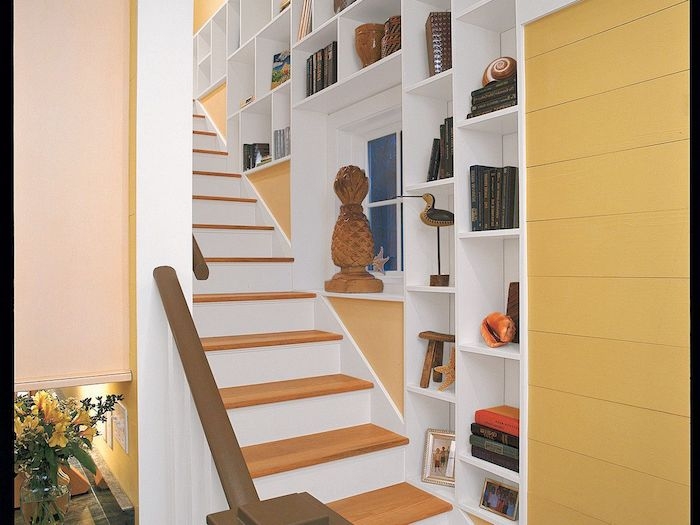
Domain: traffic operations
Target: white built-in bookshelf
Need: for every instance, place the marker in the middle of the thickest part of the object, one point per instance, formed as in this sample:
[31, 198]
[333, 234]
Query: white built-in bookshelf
[481, 264]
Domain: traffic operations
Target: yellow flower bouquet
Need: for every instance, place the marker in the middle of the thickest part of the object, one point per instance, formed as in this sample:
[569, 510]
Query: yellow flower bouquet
[48, 432]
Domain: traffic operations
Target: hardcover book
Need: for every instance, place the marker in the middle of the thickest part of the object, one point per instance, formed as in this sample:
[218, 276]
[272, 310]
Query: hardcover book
[505, 418]
[494, 446]
[496, 459]
[449, 147]
[434, 160]
[495, 435]
[441, 163]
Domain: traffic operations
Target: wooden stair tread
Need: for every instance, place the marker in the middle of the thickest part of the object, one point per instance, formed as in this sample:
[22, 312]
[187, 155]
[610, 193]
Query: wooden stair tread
[210, 151]
[249, 259]
[220, 198]
[283, 455]
[235, 342]
[250, 296]
[200, 132]
[216, 173]
[399, 504]
[232, 227]
[287, 390]
[195, 115]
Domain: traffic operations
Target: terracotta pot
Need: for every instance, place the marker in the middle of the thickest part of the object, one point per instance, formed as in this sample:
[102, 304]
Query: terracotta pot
[368, 42]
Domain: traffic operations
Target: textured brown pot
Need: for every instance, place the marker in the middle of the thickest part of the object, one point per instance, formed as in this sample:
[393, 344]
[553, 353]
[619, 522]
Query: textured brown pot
[368, 43]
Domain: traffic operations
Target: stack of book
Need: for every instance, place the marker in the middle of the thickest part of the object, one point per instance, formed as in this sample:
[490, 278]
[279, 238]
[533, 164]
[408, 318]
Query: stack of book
[493, 96]
[441, 164]
[322, 68]
[495, 436]
[281, 142]
[255, 154]
[494, 197]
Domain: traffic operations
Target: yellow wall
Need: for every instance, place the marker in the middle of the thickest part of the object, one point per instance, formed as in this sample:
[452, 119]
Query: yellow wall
[273, 186]
[607, 128]
[377, 328]
[204, 10]
[215, 104]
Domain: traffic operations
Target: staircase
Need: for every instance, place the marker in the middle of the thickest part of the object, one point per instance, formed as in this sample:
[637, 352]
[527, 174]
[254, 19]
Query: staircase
[302, 424]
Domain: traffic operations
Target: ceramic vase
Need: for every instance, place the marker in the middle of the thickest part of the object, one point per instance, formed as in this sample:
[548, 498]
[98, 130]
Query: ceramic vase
[368, 43]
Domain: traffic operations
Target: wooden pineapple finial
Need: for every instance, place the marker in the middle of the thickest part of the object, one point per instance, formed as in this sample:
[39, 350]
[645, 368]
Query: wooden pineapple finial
[352, 244]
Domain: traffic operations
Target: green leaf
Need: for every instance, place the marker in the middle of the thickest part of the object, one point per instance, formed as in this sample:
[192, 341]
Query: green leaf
[85, 459]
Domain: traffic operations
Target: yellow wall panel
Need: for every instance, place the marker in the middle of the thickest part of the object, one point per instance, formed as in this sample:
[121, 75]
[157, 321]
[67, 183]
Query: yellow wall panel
[602, 490]
[654, 244]
[215, 105]
[544, 511]
[612, 432]
[642, 375]
[628, 309]
[633, 116]
[586, 18]
[377, 328]
[645, 49]
[644, 179]
[273, 186]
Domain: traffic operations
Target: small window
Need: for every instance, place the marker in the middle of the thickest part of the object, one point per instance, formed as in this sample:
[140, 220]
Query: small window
[385, 211]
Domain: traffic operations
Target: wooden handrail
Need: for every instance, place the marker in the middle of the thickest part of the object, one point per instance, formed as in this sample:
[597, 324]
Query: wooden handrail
[199, 264]
[233, 472]
[244, 503]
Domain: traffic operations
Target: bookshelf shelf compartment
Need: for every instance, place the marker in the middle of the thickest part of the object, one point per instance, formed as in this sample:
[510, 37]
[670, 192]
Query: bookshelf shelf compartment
[509, 351]
[492, 15]
[501, 122]
[497, 470]
[512, 233]
[433, 392]
[440, 185]
[438, 86]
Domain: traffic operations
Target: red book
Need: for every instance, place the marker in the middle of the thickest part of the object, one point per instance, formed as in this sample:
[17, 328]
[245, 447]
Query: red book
[502, 417]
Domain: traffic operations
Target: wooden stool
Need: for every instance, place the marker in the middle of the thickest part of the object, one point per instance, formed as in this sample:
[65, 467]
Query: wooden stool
[433, 356]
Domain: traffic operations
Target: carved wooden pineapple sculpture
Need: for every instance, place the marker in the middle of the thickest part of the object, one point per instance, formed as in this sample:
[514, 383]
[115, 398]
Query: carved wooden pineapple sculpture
[352, 244]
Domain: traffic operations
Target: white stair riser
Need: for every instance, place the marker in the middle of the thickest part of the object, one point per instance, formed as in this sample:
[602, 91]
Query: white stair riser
[223, 212]
[337, 479]
[273, 421]
[206, 141]
[246, 277]
[246, 317]
[273, 363]
[200, 124]
[234, 243]
[209, 162]
[216, 186]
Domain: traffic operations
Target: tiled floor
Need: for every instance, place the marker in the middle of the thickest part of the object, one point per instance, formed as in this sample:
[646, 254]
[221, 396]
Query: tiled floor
[95, 507]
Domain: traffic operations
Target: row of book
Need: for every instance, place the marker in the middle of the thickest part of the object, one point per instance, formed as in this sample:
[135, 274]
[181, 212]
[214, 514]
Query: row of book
[495, 436]
[255, 154]
[281, 142]
[495, 95]
[322, 68]
[441, 164]
[494, 197]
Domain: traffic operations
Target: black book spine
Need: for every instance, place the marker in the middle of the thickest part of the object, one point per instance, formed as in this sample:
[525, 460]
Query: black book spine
[473, 195]
[327, 65]
[496, 93]
[505, 104]
[499, 200]
[495, 435]
[492, 198]
[486, 199]
[516, 197]
[334, 62]
[492, 86]
[449, 147]
[480, 176]
[441, 168]
[319, 70]
[309, 69]
[495, 101]
[495, 458]
[434, 160]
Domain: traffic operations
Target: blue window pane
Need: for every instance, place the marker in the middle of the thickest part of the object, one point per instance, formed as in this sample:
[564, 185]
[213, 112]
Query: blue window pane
[382, 221]
[381, 154]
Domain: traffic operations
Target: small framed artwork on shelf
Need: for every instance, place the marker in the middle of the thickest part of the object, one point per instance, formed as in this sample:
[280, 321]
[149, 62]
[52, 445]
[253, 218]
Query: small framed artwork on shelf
[500, 499]
[281, 69]
[439, 458]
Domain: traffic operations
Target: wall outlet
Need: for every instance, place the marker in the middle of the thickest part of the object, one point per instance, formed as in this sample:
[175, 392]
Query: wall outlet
[120, 425]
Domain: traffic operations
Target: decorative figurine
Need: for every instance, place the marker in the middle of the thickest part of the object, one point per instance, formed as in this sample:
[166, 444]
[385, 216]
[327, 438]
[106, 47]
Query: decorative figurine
[436, 218]
[352, 244]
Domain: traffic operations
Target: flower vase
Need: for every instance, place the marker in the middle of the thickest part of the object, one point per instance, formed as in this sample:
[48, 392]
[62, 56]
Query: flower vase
[43, 502]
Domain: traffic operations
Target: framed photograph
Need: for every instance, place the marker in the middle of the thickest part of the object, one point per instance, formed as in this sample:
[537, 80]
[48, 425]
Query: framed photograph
[500, 499]
[439, 459]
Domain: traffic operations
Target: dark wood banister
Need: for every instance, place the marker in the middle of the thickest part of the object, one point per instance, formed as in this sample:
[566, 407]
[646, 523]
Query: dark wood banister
[236, 481]
[199, 265]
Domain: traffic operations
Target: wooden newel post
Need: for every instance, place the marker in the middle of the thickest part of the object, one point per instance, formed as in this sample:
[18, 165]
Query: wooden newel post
[433, 355]
[352, 244]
